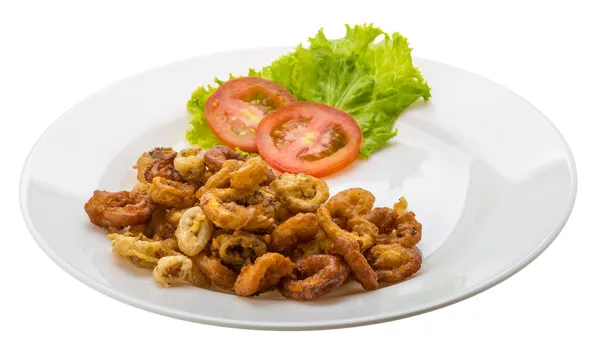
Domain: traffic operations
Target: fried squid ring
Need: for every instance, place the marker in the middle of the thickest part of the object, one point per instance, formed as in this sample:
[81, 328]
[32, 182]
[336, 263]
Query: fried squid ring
[319, 245]
[345, 209]
[263, 275]
[218, 155]
[147, 158]
[179, 269]
[353, 199]
[143, 252]
[173, 216]
[159, 228]
[316, 276]
[218, 273]
[407, 231]
[383, 218]
[401, 205]
[219, 235]
[350, 250]
[267, 196]
[170, 245]
[193, 232]
[250, 175]
[362, 227]
[221, 179]
[171, 193]
[240, 248]
[265, 203]
[189, 163]
[282, 214]
[361, 230]
[118, 209]
[236, 209]
[141, 188]
[163, 167]
[300, 193]
[301, 228]
[394, 263]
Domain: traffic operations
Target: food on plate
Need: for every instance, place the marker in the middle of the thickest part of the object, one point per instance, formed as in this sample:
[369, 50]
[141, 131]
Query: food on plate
[221, 275]
[170, 193]
[189, 163]
[318, 245]
[347, 225]
[231, 208]
[250, 175]
[370, 81]
[162, 167]
[352, 200]
[263, 275]
[142, 251]
[300, 192]
[224, 220]
[406, 230]
[177, 269]
[301, 228]
[217, 155]
[222, 177]
[118, 209]
[193, 231]
[394, 262]
[349, 250]
[240, 248]
[383, 218]
[236, 108]
[309, 138]
[314, 277]
[148, 158]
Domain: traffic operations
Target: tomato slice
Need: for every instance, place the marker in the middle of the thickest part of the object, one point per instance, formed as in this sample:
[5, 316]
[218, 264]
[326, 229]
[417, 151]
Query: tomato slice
[235, 109]
[309, 138]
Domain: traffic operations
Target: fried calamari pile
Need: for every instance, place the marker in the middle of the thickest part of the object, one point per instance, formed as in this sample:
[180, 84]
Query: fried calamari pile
[216, 218]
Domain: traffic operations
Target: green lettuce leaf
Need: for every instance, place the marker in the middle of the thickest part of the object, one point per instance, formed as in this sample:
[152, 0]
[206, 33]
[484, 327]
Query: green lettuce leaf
[200, 134]
[372, 81]
[244, 153]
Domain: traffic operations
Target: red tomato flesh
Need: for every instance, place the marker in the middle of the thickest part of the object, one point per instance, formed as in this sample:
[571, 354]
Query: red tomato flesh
[309, 138]
[235, 109]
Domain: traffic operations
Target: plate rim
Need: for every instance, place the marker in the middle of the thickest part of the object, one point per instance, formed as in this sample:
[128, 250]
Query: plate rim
[332, 324]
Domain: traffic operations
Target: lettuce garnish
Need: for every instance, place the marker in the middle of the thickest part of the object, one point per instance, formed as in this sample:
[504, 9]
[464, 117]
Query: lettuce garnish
[373, 81]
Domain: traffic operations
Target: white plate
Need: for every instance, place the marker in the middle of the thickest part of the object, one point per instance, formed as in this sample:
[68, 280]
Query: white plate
[490, 178]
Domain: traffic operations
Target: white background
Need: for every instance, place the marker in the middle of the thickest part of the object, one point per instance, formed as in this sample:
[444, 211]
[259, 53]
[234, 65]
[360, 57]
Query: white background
[55, 53]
